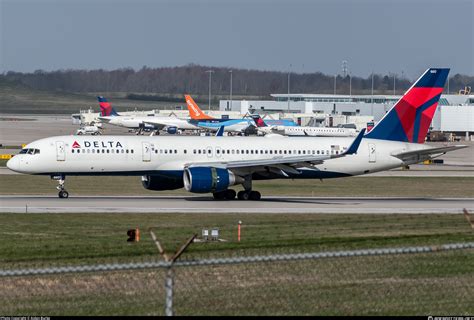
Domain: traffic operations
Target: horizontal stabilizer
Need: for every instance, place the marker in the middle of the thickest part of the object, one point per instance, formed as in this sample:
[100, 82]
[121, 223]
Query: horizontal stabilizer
[409, 155]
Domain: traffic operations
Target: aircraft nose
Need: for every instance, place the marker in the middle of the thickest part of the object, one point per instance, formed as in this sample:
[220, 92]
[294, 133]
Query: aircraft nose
[13, 164]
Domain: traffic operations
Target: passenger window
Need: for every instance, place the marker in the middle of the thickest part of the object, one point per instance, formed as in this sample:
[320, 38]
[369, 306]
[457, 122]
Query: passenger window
[199, 151]
[209, 151]
[108, 151]
[78, 150]
[185, 151]
[166, 151]
[131, 151]
[72, 151]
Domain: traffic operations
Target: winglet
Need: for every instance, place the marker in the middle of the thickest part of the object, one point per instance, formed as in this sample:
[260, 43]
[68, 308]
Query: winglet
[356, 143]
[220, 132]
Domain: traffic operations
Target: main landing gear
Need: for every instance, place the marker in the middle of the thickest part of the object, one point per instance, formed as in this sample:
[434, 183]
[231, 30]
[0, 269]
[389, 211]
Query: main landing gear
[246, 194]
[230, 194]
[62, 191]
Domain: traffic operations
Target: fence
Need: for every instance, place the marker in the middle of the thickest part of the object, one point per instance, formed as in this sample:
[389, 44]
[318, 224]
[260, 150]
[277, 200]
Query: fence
[435, 280]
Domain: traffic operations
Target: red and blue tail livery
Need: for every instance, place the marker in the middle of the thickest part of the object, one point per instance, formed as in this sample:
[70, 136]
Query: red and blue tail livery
[106, 108]
[410, 118]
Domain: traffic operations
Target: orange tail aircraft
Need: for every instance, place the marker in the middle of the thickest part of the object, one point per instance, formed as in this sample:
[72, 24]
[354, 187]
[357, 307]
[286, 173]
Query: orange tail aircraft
[194, 111]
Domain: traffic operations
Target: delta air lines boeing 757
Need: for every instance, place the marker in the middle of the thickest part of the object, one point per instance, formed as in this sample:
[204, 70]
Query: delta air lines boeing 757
[213, 164]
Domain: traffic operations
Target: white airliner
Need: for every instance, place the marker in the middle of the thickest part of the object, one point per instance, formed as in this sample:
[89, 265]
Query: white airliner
[213, 164]
[302, 130]
[171, 124]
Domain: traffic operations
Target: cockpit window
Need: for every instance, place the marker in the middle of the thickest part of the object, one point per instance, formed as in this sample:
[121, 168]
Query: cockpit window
[30, 151]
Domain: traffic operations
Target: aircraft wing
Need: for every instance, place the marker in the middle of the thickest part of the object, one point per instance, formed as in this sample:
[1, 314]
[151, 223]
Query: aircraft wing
[279, 164]
[425, 154]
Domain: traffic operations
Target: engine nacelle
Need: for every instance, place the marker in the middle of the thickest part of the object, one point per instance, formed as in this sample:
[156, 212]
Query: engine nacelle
[172, 130]
[160, 183]
[208, 179]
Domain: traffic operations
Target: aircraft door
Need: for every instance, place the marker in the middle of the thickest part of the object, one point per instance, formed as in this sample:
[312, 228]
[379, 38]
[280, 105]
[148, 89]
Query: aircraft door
[60, 151]
[372, 153]
[146, 151]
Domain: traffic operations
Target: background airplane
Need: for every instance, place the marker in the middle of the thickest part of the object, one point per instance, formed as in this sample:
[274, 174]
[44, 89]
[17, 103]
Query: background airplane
[170, 124]
[262, 126]
[202, 120]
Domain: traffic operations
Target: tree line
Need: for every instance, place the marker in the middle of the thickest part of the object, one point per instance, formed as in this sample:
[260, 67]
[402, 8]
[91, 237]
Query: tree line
[194, 79]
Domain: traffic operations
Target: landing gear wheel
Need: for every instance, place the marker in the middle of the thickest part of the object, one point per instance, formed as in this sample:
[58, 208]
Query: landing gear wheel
[255, 195]
[63, 194]
[230, 194]
[243, 195]
[218, 195]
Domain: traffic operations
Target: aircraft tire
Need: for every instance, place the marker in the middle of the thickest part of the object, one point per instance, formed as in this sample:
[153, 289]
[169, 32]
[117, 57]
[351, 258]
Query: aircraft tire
[255, 195]
[219, 195]
[243, 195]
[230, 194]
[63, 194]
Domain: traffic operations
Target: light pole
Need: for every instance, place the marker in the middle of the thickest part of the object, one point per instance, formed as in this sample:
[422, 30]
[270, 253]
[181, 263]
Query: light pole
[210, 79]
[372, 94]
[289, 89]
[350, 84]
[394, 75]
[335, 77]
[230, 89]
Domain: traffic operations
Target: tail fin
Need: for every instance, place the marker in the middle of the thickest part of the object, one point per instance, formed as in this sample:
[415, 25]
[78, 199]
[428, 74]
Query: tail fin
[258, 120]
[106, 108]
[410, 118]
[194, 111]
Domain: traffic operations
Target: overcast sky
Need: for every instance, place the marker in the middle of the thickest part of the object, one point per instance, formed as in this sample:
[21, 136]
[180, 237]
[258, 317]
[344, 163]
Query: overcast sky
[372, 35]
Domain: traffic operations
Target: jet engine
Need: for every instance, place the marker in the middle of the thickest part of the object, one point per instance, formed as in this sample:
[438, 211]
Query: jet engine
[172, 130]
[208, 179]
[160, 183]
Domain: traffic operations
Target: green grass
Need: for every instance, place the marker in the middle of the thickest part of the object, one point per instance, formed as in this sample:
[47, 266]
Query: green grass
[343, 187]
[36, 239]
[414, 284]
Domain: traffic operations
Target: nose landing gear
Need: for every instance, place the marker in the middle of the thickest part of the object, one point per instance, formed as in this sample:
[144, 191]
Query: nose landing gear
[62, 191]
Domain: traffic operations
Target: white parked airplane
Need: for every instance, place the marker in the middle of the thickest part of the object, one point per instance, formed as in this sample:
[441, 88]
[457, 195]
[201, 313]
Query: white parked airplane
[171, 124]
[213, 164]
[263, 127]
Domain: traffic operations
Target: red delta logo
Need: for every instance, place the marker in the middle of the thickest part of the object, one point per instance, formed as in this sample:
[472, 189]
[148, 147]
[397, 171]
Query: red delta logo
[76, 145]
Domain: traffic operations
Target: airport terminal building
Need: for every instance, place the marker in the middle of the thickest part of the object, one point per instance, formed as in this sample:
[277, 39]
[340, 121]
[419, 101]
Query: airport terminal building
[455, 112]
